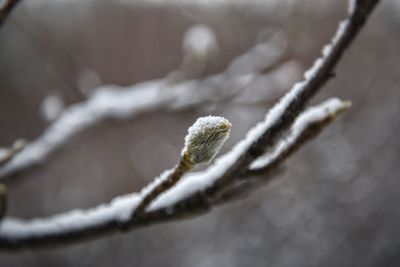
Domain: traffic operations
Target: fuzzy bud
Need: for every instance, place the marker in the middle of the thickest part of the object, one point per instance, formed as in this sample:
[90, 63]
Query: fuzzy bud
[205, 137]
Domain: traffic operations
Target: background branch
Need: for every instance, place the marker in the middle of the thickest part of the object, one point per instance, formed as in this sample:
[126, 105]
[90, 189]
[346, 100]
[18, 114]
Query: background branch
[113, 102]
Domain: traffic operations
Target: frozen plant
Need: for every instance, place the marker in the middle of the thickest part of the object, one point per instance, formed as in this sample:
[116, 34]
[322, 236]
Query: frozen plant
[203, 141]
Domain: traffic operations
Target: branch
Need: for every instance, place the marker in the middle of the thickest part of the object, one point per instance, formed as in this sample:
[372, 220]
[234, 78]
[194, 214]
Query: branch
[197, 192]
[6, 6]
[198, 184]
[284, 113]
[112, 102]
[306, 127]
[187, 198]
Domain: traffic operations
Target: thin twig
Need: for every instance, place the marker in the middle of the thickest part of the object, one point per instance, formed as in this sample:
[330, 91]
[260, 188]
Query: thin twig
[176, 174]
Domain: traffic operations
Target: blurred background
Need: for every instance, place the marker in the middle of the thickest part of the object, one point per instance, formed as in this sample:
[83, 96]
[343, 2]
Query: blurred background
[336, 204]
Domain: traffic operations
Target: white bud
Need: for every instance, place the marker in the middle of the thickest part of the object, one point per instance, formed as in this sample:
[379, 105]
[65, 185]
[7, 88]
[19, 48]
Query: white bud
[205, 137]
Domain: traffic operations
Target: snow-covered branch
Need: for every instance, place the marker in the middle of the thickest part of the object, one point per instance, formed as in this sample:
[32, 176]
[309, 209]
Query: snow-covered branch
[284, 129]
[188, 197]
[306, 127]
[309, 124]
[122, 103]
[282, 115]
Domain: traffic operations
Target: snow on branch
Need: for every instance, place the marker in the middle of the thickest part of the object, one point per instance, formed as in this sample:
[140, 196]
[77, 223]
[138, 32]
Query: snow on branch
[205, 180]
[285, 112]
[125, 103]
[198, 192]
[119, 213]
[306, 126]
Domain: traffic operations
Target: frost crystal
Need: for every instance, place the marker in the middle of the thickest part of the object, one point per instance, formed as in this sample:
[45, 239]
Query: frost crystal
[205, 137]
